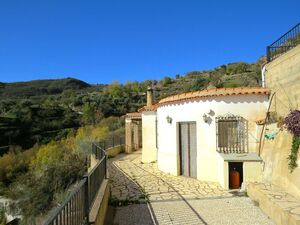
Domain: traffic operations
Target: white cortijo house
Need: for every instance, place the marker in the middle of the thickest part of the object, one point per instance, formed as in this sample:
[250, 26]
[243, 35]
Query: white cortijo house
[205, 134]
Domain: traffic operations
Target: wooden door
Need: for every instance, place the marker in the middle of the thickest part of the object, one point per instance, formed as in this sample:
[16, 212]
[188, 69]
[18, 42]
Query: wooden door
[188, 149]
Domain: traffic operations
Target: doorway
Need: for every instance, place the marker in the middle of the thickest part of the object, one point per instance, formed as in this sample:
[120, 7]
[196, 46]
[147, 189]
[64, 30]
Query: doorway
[235, 174]
[188, 149]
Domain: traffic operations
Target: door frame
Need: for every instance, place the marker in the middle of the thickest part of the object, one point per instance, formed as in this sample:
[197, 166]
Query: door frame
[179, 151]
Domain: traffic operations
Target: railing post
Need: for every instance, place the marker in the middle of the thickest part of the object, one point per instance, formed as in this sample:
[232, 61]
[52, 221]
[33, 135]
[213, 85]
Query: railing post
[86, 200]
[268, 54]
[105, 166]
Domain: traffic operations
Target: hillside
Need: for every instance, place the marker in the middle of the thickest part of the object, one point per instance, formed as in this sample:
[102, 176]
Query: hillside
[230, 75]
[43, 110]
[40, 87]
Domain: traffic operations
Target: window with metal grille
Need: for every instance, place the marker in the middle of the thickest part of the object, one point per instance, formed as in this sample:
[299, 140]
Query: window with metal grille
[232, 134]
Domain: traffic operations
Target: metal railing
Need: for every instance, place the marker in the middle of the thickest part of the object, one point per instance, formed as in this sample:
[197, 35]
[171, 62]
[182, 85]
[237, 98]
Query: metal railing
[96, 176]
[75, 209]
[283, 44]
[112, 142]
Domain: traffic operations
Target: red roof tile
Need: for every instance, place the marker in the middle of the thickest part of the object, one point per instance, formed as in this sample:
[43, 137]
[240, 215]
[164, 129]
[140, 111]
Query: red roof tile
[148, 108]
[133, 115]
[217, 92]
[214, 93]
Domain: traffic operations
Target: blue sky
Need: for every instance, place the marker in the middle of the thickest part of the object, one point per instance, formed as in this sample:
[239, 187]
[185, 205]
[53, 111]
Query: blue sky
[104, 41]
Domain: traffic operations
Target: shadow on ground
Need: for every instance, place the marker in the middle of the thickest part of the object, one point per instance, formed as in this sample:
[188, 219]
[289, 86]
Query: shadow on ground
[128, 201]
[137, 214]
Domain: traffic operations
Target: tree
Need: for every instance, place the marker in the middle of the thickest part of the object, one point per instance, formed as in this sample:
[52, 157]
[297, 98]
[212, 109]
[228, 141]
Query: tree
[216, 80]
[68, 97]
[235, 68]
[198, 84]
[89, 111]
[166, 81]
[115, 90]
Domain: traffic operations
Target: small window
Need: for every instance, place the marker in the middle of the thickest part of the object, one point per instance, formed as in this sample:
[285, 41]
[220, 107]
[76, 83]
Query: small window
[231, 134]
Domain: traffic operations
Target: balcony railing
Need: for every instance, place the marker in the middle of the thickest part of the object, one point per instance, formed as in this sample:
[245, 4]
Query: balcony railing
[283, 44]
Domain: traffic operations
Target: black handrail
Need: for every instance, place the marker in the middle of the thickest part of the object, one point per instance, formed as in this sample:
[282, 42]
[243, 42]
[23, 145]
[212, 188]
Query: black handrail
[75, 209]
[283, 44]
[96, 176]
[112, 142]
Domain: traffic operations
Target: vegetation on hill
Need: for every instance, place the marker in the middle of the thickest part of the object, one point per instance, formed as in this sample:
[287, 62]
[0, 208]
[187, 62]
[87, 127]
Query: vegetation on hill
[45, 110]
[40, 87]
[39, 178]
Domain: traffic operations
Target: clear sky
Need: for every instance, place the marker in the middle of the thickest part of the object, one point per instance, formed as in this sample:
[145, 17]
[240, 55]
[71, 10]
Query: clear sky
[107, 40]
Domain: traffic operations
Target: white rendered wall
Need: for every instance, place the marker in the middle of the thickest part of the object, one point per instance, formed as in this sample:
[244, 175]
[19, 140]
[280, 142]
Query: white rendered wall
[249, 107]
[222, 171]
[149, 137]
[252, 172]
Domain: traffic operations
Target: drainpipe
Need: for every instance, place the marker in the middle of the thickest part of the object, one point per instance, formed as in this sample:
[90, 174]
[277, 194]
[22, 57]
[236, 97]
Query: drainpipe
[263, 78]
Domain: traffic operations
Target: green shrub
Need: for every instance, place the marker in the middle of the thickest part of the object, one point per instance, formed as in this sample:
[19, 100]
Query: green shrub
[2, 216]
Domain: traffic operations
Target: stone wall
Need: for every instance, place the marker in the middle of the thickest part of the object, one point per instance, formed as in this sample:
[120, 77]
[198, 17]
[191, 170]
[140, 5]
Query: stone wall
[282, 77]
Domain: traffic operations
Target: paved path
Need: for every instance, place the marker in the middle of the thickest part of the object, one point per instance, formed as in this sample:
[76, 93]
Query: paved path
[175, 199]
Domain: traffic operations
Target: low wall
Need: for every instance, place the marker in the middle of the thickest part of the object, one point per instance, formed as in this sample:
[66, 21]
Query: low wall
[281, 207]
[112, 152]
[99, 209]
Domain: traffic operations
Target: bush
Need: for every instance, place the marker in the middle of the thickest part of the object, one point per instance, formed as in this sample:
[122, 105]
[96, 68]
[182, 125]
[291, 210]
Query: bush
[112, 123]
[235, 68]
[292, 123]
[166, 81]
[14, 164]
[2, 216]
[55, 168]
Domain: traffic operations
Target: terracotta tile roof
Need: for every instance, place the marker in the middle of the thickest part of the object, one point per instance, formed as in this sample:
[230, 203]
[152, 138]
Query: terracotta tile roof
[134, 115]
[149, 108]
[217, 92]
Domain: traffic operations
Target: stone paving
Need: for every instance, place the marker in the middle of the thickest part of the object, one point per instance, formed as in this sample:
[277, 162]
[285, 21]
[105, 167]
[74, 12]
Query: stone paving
[177, 199]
